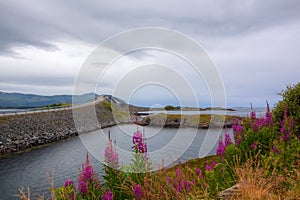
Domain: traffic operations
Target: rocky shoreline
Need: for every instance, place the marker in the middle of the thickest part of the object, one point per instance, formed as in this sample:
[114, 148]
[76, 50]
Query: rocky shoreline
[20, 132]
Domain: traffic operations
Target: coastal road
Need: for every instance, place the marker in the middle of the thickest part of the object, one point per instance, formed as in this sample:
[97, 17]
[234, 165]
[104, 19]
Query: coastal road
[31, 111]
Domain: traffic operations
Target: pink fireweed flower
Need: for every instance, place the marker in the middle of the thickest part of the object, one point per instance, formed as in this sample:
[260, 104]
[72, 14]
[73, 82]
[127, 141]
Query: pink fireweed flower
[275, 150]
[237, 128]
[87, 176]
[88, 173]
[168, 179]
[188, 185]
[253, 115]
[255, 126]
[253, 146]
[141, 147]
[287, 126]
[214, 163]
[179, 185]
[228, 140]
[138, 191]
[269, 119]
[110, 154]
[238, 131]
[221, 147]
[139, 144]
[83, 187]
[238, 141]
[261, 122]
[137, 137]
[178, 182]
[208, 167]
[107, 195]
[178, 172]
[69, 182]
[71, 194]
[199, 173]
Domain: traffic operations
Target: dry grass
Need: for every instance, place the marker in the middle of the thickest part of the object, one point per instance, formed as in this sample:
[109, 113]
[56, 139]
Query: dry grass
[27, 196]
[23, 196]
[256, 183]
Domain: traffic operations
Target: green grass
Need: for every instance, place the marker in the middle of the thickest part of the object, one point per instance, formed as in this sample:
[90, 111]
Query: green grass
[194, 119]
[57, 105]
[107, 104]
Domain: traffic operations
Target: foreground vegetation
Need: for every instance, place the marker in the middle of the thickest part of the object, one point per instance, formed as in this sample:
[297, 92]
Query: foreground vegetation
[262, 161]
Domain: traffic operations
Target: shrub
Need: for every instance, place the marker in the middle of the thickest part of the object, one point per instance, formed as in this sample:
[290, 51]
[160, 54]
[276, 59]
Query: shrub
[291, 103]
[170, 107]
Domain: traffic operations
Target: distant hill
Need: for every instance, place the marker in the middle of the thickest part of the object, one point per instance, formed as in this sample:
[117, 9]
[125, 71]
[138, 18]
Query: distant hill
[19, 100]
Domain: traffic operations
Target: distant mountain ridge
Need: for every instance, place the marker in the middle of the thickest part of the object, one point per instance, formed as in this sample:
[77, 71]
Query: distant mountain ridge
[20, 100]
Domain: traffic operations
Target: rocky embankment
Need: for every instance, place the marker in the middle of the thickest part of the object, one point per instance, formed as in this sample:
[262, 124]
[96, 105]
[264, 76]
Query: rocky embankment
[23, 131]
[27, 130]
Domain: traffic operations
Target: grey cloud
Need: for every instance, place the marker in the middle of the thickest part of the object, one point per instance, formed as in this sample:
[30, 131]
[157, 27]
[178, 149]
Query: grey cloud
[254, 43]
[39, 23]
[41, 81]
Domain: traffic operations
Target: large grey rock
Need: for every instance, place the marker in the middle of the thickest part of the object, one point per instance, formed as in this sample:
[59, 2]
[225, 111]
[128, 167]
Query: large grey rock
[233, 191]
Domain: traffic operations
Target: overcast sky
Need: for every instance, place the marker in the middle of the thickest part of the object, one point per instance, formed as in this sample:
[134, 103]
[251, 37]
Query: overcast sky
[254, 44]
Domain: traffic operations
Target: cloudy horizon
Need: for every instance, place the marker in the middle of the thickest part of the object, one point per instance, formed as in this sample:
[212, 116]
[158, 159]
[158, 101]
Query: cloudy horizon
[254, 45]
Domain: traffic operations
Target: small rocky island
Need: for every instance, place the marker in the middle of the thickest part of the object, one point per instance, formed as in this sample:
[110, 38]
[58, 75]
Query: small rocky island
[203, 121]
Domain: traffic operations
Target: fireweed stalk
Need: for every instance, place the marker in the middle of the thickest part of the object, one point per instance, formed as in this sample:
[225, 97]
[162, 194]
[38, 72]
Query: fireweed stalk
[141, 162]
[110, 154]
[223, 145]
[238, 132]
[112, 175]
[287, 126]
[88, 179]
[139, 145]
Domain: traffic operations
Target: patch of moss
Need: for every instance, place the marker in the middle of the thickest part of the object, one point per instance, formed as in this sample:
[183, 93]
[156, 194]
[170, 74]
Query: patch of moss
[107, 104]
